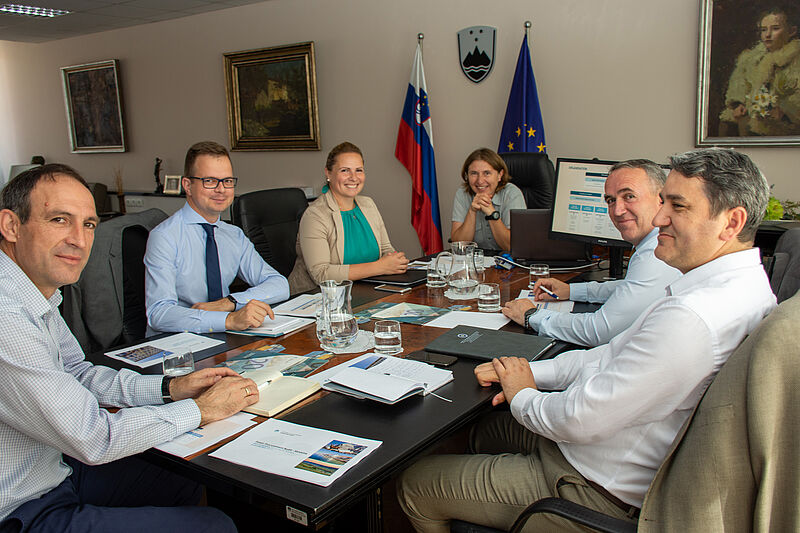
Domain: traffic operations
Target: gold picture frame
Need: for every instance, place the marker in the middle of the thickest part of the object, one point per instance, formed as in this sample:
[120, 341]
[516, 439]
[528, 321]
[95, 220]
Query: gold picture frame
[739, 103]
[93, 101]
[172, 184]
[272, 98]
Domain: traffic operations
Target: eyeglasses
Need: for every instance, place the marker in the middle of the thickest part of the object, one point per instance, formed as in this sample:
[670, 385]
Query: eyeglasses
[213, 183]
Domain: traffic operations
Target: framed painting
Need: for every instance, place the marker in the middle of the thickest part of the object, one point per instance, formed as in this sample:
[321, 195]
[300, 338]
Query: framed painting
[749, 74]
[93, 100]
[272, 98]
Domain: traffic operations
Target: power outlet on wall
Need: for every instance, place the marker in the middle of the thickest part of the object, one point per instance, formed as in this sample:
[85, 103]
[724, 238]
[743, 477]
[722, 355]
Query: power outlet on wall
[134, 202]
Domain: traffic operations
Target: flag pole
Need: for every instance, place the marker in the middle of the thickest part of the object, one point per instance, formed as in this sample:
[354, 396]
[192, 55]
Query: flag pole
[527, 29]
[420, 37]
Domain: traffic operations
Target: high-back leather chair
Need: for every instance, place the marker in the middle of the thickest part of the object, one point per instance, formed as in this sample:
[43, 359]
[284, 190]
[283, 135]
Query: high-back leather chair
[733, 465]
[535, 175]
[105, 307]
[271, 219]
[785, 275]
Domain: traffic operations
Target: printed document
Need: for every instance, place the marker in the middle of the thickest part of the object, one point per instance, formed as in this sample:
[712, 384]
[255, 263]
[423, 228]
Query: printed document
[150, 353]
[305, 305]
[309, 454]
[201, 438]
[470, 318]
[562, 306]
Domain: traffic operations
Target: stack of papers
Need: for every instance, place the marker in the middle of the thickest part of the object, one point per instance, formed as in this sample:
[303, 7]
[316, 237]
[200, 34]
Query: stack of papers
[299, 452]
[201, 438]
[305, 306]
[275, 328]
[470, 318]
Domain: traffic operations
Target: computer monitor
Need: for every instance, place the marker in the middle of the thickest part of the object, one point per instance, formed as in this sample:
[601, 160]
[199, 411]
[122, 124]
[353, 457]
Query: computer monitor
[580, 211]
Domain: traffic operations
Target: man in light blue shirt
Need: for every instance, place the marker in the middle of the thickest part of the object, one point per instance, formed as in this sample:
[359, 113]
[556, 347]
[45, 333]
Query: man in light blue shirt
[183, 290]
[632, 194]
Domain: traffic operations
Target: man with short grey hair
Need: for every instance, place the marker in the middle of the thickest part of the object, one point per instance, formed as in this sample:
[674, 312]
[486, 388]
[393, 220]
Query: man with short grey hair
[599, 439]
[631, 192]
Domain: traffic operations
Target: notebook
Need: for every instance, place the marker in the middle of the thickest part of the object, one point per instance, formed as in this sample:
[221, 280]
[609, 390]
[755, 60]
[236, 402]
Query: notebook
[531, 243]
[486, 344]
[409, 278]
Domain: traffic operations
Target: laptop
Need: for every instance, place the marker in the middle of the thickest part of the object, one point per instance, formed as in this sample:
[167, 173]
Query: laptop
[409, 278]
[531, 243]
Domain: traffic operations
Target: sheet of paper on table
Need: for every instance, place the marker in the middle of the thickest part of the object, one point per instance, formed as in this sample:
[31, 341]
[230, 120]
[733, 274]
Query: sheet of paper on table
[304, 305]
[309, 454]
[275, 328]
[470, 318]
[149, 353]
[193, 441]
[563, 306]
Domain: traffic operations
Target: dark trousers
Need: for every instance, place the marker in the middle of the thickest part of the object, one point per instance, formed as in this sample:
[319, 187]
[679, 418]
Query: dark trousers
[129, 495]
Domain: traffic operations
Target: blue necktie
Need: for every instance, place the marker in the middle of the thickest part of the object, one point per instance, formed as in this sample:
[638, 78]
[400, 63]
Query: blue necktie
[213, 277]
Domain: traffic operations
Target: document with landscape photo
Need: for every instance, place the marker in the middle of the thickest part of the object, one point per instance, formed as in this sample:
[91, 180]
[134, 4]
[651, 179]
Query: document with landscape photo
[308, 454]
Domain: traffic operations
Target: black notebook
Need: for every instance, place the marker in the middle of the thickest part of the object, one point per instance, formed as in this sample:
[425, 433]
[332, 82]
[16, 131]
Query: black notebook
[409, 278]
[486, 344]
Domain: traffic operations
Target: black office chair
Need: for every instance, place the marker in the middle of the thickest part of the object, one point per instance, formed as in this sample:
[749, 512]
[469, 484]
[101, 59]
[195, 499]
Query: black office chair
[105, 307]
[742, 386]
[535, 175]
[270, 219]
[785, 274]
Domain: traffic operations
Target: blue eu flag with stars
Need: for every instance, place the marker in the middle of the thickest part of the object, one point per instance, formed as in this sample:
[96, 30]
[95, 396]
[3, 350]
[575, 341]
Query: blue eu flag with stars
[523, 130]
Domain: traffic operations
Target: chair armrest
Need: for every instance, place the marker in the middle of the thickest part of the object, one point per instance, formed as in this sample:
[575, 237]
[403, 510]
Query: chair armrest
[575, 512]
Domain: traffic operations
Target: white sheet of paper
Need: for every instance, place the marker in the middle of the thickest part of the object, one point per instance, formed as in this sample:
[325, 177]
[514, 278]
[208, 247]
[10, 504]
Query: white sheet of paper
[198, 439]
[178, 343]
[564, 306]
[304, 305]
[470, 318]
[309, 454]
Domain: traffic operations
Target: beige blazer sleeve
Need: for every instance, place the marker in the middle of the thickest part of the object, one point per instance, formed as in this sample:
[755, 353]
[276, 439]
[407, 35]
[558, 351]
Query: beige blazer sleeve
[320, 242]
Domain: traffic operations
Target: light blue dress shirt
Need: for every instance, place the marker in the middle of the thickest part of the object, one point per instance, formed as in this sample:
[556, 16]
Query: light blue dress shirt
[623, 300]
[175, 273]
[51, 398]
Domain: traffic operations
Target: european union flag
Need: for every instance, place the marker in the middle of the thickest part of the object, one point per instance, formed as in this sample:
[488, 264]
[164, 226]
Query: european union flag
[523, 130]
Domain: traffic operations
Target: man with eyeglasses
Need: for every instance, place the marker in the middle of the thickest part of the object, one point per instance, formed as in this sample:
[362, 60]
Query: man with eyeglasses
[193, 256]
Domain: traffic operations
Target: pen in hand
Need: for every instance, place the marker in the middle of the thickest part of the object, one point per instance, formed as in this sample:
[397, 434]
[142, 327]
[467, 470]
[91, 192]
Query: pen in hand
[548, 292]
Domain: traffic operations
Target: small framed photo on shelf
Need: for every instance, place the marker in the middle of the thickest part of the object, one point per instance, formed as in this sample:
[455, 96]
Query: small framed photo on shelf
[172, 185]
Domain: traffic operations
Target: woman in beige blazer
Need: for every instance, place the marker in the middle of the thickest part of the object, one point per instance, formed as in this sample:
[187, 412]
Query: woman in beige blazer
[342, 235]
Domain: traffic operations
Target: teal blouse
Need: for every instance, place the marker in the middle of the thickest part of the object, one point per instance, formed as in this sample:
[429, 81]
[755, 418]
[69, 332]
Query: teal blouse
[360, 245]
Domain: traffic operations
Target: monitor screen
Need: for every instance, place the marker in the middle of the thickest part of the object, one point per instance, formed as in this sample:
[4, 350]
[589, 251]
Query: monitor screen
[579, 210]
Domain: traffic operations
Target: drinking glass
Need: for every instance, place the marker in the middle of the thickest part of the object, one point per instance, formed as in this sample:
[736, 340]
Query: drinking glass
[489, 297]
[436, 275]
[538, 271]
[388, 339]
[480, 267]
[178, 364]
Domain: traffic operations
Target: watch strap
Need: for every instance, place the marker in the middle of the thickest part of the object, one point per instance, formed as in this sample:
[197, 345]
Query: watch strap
[233, 300]
[494, 216]
[165, 395]
[527, 318]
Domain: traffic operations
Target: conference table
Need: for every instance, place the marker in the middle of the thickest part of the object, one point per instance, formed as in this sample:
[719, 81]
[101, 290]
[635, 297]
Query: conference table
[407, 429]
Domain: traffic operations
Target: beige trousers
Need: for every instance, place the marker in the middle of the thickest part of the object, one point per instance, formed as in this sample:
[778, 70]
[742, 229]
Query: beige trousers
[509, 468]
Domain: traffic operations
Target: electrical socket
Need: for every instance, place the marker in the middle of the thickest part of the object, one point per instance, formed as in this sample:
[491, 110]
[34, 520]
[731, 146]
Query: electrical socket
[132, 201]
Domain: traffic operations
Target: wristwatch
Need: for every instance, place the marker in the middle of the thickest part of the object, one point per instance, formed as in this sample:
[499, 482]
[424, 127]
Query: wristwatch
[165, 395]
[526, 319]
[233, 300]
[494, 216]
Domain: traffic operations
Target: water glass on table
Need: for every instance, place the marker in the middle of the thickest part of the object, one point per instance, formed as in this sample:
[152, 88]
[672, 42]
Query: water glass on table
[388, 339]
[489, 297]
[537, 272]
[480, 266]
[178, 364]
[435, 278]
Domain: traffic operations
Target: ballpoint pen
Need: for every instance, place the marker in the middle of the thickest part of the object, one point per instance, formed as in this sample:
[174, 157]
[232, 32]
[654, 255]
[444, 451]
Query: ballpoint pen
[548, 292]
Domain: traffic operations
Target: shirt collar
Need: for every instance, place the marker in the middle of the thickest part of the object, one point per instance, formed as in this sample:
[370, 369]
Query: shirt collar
[726, 263]
[190, 216]
[653, 235]
[19, 284]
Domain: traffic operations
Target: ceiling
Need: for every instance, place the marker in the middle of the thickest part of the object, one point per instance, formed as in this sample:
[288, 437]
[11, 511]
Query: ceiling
[90, 16]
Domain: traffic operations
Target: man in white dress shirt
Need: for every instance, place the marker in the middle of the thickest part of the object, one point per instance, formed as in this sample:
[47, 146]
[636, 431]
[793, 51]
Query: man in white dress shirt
[599, 439]
[631, 192]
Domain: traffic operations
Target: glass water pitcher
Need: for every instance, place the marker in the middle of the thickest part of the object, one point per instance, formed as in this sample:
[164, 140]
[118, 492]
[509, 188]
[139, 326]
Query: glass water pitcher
[336, 325]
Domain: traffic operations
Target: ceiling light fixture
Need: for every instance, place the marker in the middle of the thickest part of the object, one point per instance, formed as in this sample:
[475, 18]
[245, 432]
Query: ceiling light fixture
[31, 11]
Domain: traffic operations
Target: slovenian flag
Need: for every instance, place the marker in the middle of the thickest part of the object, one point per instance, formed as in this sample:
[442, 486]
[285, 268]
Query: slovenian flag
[415, 150]
[523, 129]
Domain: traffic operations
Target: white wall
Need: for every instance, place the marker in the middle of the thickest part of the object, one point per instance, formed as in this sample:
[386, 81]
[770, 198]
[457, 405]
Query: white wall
[616, 79]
